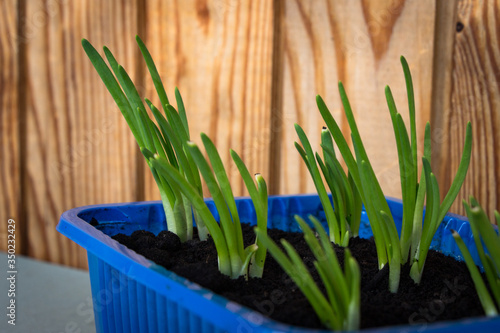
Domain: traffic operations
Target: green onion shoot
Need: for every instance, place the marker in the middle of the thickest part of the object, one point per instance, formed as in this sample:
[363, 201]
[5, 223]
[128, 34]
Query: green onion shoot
[339, 309]
[412, 245]
[487, 242]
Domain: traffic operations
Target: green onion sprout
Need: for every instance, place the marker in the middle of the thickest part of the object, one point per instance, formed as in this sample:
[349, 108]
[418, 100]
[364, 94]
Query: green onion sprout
[415, 239]
[234, 259]
[344, 217]
[166, 137]
[487, 242]
[340, 308]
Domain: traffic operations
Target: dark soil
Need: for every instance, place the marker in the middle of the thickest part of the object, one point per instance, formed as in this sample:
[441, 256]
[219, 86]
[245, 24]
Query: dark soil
[445, 293]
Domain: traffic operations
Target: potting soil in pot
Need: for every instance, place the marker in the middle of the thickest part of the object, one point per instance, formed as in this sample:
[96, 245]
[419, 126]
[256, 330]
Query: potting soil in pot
[445, 293]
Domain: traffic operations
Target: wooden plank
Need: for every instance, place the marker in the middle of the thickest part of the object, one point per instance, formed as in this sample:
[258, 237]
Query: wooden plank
[219, 54]
[277, 111]
[444, 42]
[358, 42]
[10, 181]
[79, 150]
[475, 97]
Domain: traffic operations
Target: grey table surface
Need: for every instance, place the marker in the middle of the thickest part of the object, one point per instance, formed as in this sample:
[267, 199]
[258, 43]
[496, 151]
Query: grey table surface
[49, 298]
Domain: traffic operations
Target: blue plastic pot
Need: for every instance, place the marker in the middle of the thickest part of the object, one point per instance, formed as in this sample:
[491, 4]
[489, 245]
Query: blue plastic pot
[133, 294]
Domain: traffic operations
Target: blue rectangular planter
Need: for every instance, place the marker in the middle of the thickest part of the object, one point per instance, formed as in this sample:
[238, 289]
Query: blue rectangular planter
[133, 294]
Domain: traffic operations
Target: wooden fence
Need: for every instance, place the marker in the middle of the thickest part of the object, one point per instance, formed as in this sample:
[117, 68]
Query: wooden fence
[248, 70]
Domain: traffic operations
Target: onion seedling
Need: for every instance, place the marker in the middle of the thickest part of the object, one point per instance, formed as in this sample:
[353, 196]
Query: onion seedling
[340, 309]
[234, 258]
[344, 217]
[487, 242]
[415, 239]
[166, 137]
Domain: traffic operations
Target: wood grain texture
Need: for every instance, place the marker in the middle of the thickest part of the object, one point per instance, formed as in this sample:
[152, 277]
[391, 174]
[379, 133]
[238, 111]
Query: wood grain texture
[219, 54]
[359, 43]
[248, 70]
[475, 97]
[442, 75]
[10, 176]
[79, 150]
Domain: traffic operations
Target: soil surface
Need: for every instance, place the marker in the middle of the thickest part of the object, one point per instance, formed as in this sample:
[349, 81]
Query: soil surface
[445, 293]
